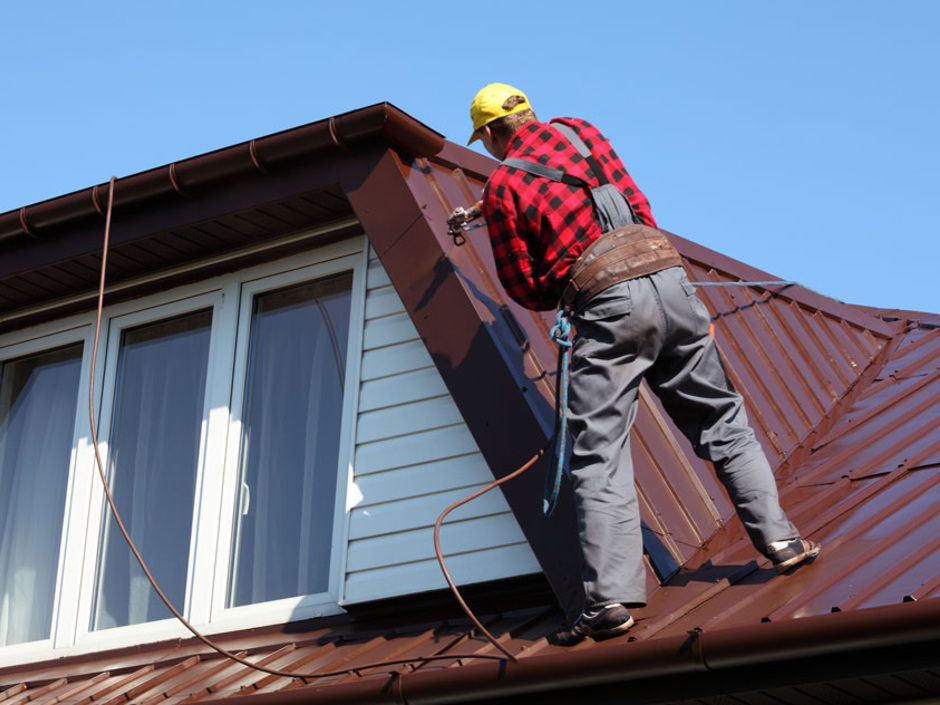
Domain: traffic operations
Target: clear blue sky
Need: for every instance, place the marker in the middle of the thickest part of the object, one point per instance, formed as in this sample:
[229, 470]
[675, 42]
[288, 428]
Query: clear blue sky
[799, 137]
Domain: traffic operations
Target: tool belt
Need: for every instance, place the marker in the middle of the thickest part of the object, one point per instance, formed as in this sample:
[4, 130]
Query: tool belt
[626, 253]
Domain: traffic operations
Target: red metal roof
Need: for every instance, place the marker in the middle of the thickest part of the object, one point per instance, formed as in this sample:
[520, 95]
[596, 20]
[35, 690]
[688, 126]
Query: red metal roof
[844, 399]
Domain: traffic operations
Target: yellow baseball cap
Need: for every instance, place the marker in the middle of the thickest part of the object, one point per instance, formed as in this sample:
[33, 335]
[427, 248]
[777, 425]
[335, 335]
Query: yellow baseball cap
[488, 105]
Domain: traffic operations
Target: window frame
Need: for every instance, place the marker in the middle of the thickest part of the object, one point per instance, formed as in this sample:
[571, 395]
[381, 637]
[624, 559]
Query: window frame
[118, 322]
[33, 342]
[322, 604]
[230, 298]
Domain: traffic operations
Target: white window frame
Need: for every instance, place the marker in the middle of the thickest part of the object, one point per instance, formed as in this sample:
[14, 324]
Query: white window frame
[295, 608]
[230, 297]
[98, 512]
[33, 342]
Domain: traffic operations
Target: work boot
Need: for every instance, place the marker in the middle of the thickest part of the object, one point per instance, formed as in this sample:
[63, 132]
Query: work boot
[786, 554]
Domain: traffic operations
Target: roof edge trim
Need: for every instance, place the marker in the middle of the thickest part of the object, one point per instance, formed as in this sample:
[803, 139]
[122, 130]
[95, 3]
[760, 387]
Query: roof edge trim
[817, 636]
[260, 156]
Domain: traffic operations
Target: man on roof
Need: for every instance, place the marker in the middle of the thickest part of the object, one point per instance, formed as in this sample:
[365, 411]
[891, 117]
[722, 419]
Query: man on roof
[570, 228]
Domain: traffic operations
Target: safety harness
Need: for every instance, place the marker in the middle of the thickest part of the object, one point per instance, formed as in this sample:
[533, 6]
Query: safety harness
[610, 203]
[625, 250]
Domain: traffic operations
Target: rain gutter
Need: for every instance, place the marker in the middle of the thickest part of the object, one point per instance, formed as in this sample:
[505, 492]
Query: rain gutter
[838, 635]
[382, 121]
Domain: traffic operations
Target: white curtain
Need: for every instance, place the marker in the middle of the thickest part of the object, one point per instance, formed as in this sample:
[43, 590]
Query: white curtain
[291, 424]
[154, 446]
[35, 446]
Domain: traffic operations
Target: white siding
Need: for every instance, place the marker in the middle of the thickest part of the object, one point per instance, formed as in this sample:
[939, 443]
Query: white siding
[414, 457]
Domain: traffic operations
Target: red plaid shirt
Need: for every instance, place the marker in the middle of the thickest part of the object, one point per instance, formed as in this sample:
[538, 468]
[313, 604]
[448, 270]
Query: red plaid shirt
[539, 227]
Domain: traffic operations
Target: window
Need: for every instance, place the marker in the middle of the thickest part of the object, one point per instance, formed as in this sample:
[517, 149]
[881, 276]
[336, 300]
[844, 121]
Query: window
[154, 451]
[225, 424]
[38, 395]
[290, 441]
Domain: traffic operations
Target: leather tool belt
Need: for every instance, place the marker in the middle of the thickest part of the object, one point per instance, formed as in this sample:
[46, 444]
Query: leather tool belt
[626, 253]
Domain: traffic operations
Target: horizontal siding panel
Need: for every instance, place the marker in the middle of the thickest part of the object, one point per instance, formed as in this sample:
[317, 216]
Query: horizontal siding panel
[405, 419]
[492, 564]
[453, 473]
[414, 449]
[377, 276]
[415, 512]
[418, 544]
[401, 389]
[388, 330]
[414, 458]
[383, 302]
[394, 360]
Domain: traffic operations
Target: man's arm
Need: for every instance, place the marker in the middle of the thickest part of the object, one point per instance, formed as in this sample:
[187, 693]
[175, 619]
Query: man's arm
[515, 264]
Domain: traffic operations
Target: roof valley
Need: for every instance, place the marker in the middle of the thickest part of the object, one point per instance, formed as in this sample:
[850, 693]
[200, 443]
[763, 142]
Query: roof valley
[820, 433]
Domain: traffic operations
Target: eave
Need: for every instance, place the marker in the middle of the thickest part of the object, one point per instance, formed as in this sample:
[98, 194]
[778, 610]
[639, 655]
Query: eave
[812, 651]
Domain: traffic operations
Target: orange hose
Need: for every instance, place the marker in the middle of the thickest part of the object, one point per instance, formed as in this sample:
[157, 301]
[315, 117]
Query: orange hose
[440, 555]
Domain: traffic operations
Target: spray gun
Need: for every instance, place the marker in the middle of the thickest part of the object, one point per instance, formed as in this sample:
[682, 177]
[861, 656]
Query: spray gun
[459, 221]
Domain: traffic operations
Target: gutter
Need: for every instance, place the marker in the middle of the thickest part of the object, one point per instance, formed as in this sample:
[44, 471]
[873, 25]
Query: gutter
[382, 121]
[841, 635]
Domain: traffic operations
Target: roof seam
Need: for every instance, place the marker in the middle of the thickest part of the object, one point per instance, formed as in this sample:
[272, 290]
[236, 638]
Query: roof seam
[821, 431]
[898, 422]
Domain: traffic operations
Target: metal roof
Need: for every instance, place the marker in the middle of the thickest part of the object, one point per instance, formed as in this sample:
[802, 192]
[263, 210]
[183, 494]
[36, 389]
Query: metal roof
[844, 399]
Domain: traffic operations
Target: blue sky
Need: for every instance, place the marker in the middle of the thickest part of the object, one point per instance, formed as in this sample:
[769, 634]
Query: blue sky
[798, 137]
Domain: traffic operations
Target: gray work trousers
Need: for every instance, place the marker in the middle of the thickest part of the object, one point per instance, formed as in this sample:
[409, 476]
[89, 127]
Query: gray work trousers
[653, 327]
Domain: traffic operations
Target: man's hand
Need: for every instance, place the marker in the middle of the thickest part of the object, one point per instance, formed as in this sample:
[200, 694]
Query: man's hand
[457, 221]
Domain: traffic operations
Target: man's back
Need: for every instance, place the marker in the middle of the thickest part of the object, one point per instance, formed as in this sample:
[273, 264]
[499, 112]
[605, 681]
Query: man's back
[538, 227]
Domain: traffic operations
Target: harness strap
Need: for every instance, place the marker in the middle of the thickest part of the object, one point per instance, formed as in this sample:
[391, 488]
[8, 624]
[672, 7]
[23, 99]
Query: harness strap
[611, 205]
[539, 169]
[583, 150]
[547, 172]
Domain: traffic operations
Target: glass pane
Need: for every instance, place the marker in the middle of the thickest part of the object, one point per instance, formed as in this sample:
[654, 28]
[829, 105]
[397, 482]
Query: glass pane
[290, 447]
[38, 398]
[154, 448]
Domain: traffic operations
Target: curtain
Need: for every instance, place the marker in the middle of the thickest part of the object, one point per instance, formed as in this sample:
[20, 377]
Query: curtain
[292, 419]
[38, 398]
[154, 448]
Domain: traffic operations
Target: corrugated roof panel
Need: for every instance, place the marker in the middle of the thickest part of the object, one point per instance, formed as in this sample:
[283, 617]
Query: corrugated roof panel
[765, 361]
[929, 590]
[48, 691]
[798, 365]
[915, 570]
[210, 672]
[670, 480]
[876, 550]
[827, 378]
